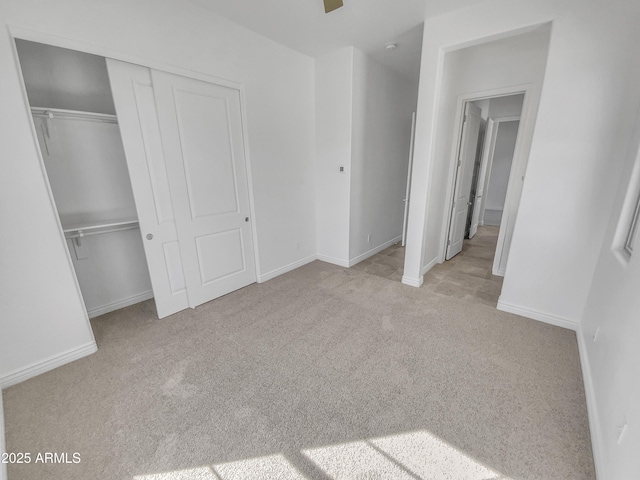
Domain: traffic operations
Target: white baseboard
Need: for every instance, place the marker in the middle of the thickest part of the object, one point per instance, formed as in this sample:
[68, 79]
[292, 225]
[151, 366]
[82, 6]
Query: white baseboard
[334, 261]
[592, 408]
[3, 443]
[413, 282]
[111, 307]
[50, 363]
[373, 251]
[286, 268]
[536, 315]
[429, 266]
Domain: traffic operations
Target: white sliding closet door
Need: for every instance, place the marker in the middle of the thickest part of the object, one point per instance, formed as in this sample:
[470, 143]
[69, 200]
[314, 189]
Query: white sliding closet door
[136, 109]
[201, 125]
[192, 169]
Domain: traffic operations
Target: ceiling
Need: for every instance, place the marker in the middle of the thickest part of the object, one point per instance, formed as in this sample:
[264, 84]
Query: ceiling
[366, 24]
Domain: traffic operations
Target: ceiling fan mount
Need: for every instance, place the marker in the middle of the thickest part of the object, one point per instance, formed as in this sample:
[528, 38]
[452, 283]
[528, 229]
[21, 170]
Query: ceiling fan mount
[331, 5]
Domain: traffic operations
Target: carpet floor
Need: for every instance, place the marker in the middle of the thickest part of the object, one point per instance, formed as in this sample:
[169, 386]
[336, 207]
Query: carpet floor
[321, 373]
[466, 276]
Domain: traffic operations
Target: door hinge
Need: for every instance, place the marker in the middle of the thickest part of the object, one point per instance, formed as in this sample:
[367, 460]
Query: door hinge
[448, 243]
[459, 164]
[465, 119]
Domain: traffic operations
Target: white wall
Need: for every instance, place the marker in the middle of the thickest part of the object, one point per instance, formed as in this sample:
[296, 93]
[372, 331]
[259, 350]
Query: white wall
[585, 123]
[612, 361]
[333, 97]
[509, 106]
[41, 313]
[383, 103]
[363, 123]
[60, 78]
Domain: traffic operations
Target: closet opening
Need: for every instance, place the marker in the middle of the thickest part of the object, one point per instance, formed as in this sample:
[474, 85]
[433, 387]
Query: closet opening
[85, 165]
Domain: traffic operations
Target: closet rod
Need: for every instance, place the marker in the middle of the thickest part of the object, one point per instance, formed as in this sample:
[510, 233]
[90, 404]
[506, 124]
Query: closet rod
[82, 233]
[73, 115]
[99, 229]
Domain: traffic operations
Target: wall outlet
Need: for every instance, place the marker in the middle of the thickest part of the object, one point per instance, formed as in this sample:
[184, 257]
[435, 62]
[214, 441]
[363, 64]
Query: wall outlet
[341, 169]
[369, 238]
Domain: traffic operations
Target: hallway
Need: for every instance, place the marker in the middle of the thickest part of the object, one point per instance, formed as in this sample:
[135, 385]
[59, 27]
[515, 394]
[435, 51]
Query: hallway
[466, 276]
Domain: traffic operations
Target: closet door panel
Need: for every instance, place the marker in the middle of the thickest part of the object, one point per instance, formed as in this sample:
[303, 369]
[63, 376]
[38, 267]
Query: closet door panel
[137, 116]
[202, 135]
[204, 130]
[154, 156]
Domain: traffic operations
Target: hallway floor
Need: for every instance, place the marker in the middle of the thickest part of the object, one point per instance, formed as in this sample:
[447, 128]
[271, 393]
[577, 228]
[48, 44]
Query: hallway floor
[466, 276]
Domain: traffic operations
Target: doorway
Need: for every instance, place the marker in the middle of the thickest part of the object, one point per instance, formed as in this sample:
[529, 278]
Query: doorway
[485, 153]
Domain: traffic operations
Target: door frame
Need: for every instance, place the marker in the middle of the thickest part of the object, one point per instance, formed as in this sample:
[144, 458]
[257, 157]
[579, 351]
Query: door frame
[409, 172]
[47, 184]
[62, 42]
[520, 158]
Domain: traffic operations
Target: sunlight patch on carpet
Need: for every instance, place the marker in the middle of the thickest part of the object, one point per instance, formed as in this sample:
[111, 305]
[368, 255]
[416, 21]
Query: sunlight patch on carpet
[272, 466]
[428, 457]
[409, 456]
[202, 473]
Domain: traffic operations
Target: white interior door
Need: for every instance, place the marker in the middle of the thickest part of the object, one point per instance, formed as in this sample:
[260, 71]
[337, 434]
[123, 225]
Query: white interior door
[482, 176]
[136, 109]
[409, 171]
[464, 177]
[202, 135]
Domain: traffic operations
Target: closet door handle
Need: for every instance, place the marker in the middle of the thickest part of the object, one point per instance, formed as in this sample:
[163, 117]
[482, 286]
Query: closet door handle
[149, 236]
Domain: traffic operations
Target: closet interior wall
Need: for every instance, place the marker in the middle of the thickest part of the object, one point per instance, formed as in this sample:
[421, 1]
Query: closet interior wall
[74, 119]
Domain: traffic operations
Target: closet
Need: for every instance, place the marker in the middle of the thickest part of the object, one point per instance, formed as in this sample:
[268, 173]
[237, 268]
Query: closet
[149, 175]
[78, 134]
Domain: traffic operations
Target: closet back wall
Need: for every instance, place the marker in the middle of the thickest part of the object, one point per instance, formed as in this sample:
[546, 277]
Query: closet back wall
[41, 319]
[87, 172]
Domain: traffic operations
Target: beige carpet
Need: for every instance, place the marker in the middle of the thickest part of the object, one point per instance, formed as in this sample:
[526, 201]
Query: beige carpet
[321, 373]
[466, 276]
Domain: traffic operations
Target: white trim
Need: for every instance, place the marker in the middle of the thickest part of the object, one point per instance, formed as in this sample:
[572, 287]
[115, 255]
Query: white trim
[47, 364]
[429, 266]
[333, 260]
[592, 408]
[287, 268]
[373, 251]
[498, 272]
[407, 194]
[537, 315]
[247, 163]
[99, 50]
[3, 445]
[413, 282]
[125, 302]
